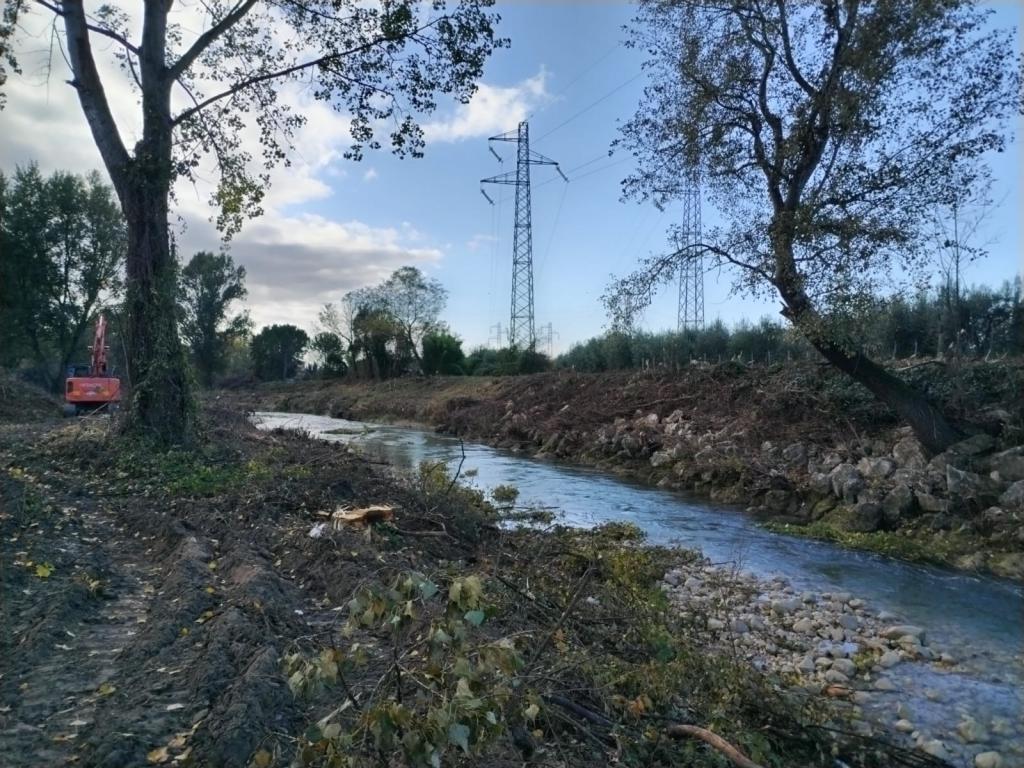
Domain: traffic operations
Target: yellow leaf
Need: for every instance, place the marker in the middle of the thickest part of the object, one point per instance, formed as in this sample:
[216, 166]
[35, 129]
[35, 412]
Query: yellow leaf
[106, 689]
[158, 755]
[43, 570]
[183, 631]
[531, 712]
[210, 590]
[261, 759]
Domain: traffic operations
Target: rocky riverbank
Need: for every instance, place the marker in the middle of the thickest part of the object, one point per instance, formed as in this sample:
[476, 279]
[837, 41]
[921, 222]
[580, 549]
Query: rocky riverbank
[885, 676]
[798, 446]
[963, 507]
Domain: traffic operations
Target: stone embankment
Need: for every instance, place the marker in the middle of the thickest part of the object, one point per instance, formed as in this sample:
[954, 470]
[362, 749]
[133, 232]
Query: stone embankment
[974, 490]
[869, 663]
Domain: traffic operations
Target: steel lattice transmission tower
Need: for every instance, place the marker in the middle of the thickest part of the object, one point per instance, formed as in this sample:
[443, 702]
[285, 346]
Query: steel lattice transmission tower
[691, 261]
[521, 333]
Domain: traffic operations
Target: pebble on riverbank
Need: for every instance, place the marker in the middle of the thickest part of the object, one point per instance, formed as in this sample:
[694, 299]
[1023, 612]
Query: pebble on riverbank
[833, 644]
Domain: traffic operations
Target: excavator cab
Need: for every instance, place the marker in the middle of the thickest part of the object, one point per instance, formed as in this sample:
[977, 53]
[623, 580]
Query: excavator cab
[92, 388]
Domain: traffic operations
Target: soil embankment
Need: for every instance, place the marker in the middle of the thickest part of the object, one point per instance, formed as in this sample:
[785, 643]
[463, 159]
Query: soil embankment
[799, 446]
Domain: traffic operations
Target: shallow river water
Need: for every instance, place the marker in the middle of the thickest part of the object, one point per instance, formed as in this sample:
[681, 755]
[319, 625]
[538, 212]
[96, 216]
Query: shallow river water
[979, 620]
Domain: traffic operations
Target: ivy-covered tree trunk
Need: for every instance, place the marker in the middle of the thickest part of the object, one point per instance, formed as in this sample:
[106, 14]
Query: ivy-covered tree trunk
[160, 402]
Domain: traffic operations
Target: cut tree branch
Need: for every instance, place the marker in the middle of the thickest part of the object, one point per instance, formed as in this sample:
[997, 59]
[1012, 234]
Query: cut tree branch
[712, 739]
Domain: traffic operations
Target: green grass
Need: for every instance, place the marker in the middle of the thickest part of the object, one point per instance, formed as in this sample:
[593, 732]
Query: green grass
[915, 545]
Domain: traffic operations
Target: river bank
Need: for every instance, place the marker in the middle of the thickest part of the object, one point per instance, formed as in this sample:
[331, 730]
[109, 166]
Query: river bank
[216, 607]
[918, 656]
[798, 446]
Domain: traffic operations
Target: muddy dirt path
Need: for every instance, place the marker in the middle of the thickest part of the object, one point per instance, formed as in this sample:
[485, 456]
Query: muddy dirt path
[127, 632]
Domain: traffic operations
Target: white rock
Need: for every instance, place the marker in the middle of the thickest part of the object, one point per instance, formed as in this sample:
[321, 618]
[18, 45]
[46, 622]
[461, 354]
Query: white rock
[902, 630]
[904, 726]
[845, 666]
[884, 684]
[783, 607]
[716, 625]
[971, 731]
[848, 621]
[804, 626]
[935, 748]
[988, 760]
[835, 676]
[890, 659]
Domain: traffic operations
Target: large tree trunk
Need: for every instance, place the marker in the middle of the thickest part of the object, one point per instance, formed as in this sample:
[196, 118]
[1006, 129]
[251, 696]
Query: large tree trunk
[928, 423]
[161, 404]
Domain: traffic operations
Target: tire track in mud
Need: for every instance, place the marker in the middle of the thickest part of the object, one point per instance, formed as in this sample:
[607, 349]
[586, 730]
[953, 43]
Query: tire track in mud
[145, 636]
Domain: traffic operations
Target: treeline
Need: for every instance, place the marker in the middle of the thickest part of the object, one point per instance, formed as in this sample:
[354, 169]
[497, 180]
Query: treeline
[979, 322]
[62, 244]
[62, 247]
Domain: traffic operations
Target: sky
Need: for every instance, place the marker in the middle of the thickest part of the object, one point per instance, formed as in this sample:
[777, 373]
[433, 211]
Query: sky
[332, 225]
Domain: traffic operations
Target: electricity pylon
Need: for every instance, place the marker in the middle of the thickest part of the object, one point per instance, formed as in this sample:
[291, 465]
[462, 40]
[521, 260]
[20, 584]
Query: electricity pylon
[498, 338]
[521, 334]
[546, 338]
[691, 261]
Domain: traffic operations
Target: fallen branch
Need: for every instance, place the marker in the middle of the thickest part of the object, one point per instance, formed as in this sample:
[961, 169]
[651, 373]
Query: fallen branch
[587, 714]
[680, 731]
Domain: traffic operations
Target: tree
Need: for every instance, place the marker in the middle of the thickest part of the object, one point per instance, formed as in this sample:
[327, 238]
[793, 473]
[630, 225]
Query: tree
[330, 354]
[63, 243]
[209, 284]
[442, 354]
[414, 302]
[824, 133]
[336, 320]
[277, 352]
[380, 63]
[375, 339]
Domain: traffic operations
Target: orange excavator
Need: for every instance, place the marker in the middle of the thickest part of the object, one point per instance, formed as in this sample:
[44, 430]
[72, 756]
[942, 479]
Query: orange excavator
[92, 389]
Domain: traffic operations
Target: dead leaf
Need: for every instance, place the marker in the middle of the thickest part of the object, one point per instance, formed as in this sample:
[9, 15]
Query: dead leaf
[43, 570]
[262, 759]
[158, 755]
[183, 756]
[106, 689]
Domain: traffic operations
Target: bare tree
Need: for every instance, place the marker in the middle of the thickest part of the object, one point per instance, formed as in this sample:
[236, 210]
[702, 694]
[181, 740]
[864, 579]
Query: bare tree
[380, 62]
[824, 134]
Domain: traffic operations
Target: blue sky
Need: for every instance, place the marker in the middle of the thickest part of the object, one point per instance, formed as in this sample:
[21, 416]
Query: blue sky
[583, 232]
[332, 225]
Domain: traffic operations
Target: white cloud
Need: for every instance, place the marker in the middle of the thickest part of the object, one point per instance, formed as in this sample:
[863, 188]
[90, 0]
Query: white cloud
[478, 241]
[294, 261]
[370, 175]
[493, 109]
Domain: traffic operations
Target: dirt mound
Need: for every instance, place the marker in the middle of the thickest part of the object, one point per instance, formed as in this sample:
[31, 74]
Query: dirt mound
[21, 402]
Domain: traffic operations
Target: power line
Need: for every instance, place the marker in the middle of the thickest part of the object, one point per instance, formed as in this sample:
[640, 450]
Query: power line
[554, 228]
[583, 73]
[593, 104]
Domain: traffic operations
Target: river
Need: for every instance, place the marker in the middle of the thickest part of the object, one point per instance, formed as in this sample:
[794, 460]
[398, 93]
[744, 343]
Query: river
[979, 620]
